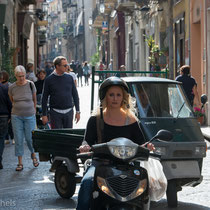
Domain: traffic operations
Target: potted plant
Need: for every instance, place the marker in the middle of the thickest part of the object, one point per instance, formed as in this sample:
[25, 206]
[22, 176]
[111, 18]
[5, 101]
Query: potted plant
[199, 113]
[154, 53]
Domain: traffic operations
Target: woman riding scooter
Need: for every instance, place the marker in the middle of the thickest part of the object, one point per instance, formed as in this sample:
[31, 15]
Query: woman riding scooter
[115, 118]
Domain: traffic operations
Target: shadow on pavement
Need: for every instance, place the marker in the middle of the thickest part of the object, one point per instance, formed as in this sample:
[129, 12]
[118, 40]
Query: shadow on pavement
[162, 205]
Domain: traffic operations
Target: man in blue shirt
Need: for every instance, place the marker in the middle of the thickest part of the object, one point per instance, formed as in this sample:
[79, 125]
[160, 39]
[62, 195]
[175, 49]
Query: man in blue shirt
[189, 84]
[61, 88]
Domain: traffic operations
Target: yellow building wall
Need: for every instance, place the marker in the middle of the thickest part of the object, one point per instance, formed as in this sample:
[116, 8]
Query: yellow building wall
[194, 37]
[197, 43]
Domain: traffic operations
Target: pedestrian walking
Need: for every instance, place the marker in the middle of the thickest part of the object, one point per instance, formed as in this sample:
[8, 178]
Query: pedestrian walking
[110, 67]
[189, 84]
[61, 88]
[101, 68]
[86, 72]
[41, 75]
[48, 68]
[79, 74]
[10, 135]
[5, 112]
[70, 72]
[23, 97]
[121, 72]
[30, 72]
[73, 66]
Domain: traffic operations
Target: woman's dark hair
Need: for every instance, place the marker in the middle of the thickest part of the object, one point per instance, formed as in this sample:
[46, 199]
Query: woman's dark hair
[41, 71]
[29, 66]
[4, 76]
[185, 69]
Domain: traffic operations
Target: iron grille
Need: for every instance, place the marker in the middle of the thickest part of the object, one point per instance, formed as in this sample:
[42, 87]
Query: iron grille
[123, 186]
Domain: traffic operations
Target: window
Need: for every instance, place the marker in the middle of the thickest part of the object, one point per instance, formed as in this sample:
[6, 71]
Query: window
[161, 100]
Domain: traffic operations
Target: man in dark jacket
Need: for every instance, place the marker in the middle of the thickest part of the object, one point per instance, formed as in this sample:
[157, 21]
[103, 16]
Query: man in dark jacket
[189, 84]
[5, 112]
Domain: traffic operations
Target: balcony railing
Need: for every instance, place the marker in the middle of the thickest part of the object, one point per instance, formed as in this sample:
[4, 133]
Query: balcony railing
[141, 2]
[126, 6]
[69, 30]
[27, 2]
[42, 39]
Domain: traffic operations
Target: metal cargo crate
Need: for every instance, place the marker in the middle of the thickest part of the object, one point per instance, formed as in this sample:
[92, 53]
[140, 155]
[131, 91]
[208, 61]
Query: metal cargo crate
[58, 142]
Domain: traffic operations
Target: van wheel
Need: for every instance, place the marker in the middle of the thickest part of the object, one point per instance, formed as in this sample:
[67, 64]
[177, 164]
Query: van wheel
[171, 194]
[65, 182]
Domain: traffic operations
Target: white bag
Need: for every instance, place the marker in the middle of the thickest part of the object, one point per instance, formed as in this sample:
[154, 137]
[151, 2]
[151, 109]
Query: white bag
[157, 179]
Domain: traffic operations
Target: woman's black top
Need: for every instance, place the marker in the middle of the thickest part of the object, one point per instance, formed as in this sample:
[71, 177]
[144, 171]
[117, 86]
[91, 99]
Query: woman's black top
[39, 86]
[132, 132]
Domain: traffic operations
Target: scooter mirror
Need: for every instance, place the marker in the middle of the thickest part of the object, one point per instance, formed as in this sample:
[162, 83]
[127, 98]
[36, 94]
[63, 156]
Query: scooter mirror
[164, 135]
[204, 99]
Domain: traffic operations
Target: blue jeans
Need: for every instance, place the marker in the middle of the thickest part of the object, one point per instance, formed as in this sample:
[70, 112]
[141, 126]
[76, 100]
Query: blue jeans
[22, 128]
[3, 133]
[85, 190]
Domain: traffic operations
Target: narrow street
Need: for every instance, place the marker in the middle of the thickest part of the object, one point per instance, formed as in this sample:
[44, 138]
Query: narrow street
[33, 188]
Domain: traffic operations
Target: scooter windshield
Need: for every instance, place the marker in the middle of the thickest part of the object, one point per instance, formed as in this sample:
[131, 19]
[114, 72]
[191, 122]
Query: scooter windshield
[161, 100]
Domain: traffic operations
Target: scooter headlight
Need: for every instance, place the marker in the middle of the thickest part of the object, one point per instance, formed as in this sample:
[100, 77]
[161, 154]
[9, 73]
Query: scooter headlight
[142, 187]
[103, 186]
[123, 152]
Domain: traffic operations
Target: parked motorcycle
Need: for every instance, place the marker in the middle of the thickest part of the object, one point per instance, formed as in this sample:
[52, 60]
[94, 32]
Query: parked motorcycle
[120, 183]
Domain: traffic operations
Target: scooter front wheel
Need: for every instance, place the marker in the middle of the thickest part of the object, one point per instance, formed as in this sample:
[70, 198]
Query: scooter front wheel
[65, 182]
[171, 194]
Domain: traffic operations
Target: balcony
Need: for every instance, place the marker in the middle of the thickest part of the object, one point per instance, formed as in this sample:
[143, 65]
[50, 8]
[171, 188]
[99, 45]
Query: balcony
[126, 6]
[141, 2]
[42, 39]
[27, 2]
[53, 15]
[53, 36]
[69, 30]
[64, 5]
[78, 30]
[97, 18]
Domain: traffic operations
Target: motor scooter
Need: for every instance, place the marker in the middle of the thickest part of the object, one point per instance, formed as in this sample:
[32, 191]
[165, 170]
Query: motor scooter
[120, 183]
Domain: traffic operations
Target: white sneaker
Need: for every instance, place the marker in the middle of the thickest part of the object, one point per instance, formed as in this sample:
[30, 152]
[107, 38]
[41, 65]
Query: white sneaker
[13, 141]
[6, 142]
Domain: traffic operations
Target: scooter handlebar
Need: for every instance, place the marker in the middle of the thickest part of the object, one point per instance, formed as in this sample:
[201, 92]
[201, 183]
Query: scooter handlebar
[84, 155]
[156, 156]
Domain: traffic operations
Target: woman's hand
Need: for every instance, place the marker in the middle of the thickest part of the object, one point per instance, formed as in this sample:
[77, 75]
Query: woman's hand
[149, 146]
[84, 148]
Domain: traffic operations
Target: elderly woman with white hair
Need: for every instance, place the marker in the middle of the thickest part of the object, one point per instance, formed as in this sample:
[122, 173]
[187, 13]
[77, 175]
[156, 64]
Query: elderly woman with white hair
[23, 97]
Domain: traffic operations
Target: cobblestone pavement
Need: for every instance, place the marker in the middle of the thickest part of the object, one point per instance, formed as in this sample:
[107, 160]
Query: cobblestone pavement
[33, 188]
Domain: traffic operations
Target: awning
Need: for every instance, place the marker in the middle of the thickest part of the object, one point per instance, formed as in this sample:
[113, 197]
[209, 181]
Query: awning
[9, 14]
[28, 20]
[78, 22]
[24, 24]
[6, 13]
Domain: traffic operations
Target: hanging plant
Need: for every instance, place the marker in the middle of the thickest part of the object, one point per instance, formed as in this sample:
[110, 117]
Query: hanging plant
[7, 63]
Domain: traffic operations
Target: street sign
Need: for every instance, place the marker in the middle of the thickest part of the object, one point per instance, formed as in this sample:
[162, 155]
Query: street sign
[42, 23]
[104, 25]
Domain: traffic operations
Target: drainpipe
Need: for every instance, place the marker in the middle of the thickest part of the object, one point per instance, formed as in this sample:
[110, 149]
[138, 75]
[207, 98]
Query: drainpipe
[83, 20]
[171, 56]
